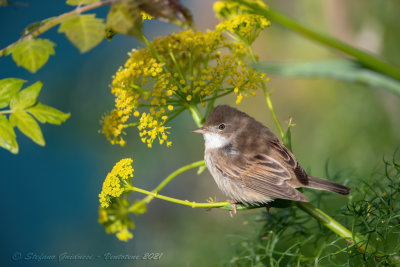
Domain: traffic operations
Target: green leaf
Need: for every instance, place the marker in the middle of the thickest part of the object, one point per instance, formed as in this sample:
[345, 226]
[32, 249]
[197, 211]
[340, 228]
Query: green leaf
[81, 2]
[32, 53]
[344, 70]
[28, 126]
[124, 17]
[84, 31]
[26, 97]
[48, 114]
[7, 135]
[8, 88]
[287, 138]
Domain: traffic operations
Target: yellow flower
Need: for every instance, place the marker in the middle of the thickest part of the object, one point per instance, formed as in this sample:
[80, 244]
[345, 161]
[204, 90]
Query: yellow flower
[188, 66]
[115, 219]
[124, 235]
[228, 9]
[103, 217]
[145, 16]
[247, 27]
[113, 185]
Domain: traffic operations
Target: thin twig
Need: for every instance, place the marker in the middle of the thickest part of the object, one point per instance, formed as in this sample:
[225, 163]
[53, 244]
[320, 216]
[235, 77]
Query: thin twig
[55, 22]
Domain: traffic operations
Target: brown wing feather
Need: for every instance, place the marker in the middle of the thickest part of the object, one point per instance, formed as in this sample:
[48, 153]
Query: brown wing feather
[269, 177]
[262, 174]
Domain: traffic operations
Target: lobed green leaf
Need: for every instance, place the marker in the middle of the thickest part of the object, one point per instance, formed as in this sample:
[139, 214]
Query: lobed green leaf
[8, 88]
[48, 114]
[32, 53]
[84, 31]
[7, 135]
[28, 126]
[26, 97]
[80, 2]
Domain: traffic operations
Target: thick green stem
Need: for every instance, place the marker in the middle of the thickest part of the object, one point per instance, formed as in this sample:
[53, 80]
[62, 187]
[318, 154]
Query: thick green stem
[197, 117]
[327, 221]
[337, 228]
[363, 57]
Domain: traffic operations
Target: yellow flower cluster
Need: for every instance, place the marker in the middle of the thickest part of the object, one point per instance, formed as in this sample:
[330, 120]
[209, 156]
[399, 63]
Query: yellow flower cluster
[116, 221]
[145, 16]
[247, 26]
[175, 72]
[229, 9]
[113, 185]
[156, 130]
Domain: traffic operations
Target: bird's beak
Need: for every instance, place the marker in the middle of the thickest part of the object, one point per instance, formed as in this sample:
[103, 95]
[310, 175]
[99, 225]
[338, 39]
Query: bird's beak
[201, 130]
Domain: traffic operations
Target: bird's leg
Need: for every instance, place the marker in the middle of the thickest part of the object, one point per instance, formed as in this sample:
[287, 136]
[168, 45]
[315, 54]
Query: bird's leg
[233, 204]
[268, 207]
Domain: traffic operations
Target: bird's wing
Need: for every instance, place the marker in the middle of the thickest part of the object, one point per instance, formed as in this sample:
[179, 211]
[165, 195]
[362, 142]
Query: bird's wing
[262, 174]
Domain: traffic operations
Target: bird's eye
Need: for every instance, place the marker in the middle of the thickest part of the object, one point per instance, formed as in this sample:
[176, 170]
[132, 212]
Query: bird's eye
[221, 126]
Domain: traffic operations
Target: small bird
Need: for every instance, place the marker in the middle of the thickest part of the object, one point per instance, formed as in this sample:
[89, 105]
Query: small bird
[250, 164]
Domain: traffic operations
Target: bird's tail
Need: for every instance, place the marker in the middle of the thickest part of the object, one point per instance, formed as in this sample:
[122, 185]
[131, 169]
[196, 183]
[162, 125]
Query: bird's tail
[321, 184]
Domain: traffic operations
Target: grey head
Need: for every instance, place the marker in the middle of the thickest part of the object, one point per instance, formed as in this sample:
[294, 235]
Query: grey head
[226, 123]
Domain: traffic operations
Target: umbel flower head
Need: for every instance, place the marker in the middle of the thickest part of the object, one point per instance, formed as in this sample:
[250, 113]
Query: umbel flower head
[115, 220]
[114, 206]
[180, 71]
[115, 183]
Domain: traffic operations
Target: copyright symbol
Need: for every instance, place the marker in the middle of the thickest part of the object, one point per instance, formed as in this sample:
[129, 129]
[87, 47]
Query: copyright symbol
[16, 256]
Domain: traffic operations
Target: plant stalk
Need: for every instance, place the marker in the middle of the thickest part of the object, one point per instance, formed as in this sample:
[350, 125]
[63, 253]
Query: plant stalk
[55, 22]
[361, 56]
[179, 201]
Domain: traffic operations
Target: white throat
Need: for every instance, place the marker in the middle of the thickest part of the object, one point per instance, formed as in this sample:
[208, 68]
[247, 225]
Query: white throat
[215, 140]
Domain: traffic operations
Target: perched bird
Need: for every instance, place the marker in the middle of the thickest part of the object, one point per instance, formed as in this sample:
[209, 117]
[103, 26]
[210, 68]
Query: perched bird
[250, 164]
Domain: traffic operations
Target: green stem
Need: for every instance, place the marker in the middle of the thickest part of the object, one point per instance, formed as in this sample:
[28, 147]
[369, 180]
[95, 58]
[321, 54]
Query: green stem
[152, 49]
[363, 57]
[56, 21]
[6, 111]
[133, 124]
[176, 173]
[197, 117]
[271, 109]
[179, 201]
[172, 176]
[336, 227]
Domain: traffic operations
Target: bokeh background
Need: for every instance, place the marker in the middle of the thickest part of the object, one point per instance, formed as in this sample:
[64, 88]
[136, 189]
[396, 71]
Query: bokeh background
[49, 195]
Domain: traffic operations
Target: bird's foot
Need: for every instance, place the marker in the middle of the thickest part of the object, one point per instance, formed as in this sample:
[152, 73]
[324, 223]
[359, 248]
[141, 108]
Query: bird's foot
[233, 204]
